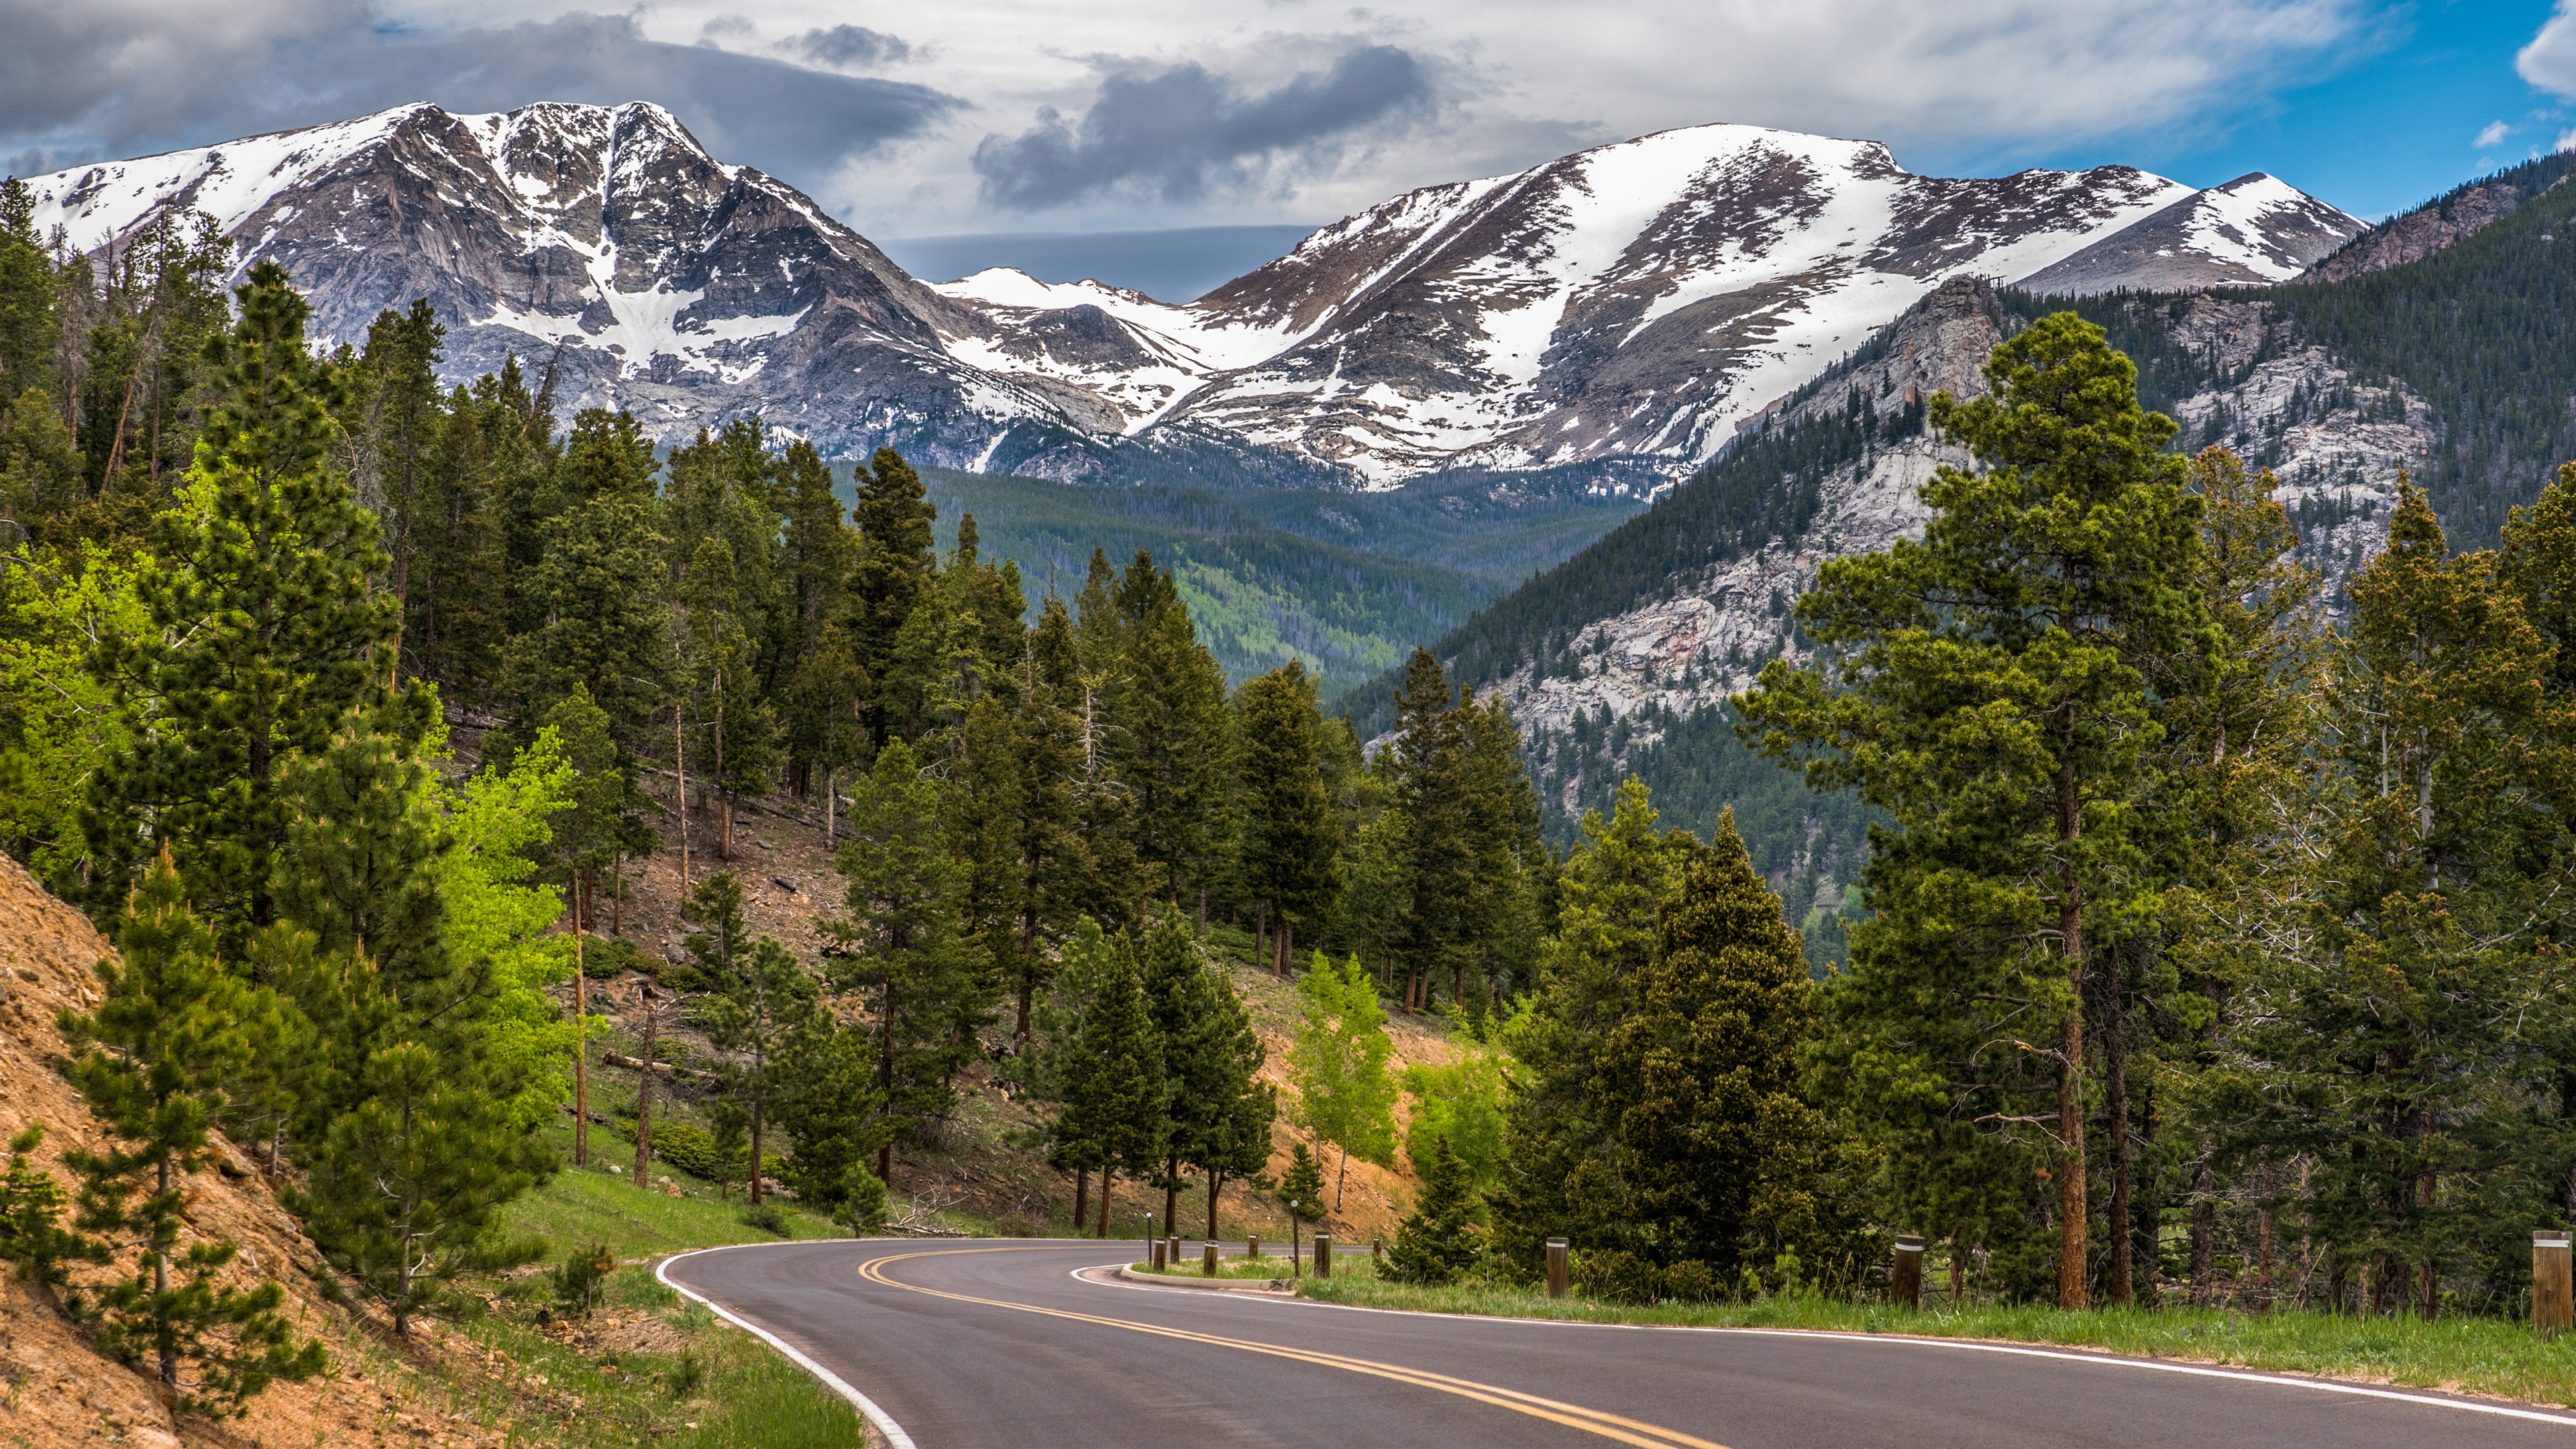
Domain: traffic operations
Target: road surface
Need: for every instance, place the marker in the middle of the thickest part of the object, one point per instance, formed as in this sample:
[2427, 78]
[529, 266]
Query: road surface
[1006, 1345]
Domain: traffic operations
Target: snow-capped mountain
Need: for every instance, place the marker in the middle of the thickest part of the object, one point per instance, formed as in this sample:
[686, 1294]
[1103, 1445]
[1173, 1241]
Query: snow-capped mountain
[2253, 231]
[1633, 303]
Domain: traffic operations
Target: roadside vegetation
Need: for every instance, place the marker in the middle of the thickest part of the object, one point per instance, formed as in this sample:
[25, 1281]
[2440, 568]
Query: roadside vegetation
[2486, 1357]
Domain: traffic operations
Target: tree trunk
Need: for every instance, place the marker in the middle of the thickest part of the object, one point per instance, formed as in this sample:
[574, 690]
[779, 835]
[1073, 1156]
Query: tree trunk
[831, 801]
[1958, 1271]
[617, 895]
[1171, 1195]
[1212, 1186]
[1341, 1175]
[644, 1092]
[1104, 1202]
[2072, 1290]
[1262, 949]
[724, 796]
[169, 1351]
[680, 770]
[581, 1041]
[1287, 945]
[2115, 1083]
[2204, 1230]
[1081, 1198]
[755, 1152]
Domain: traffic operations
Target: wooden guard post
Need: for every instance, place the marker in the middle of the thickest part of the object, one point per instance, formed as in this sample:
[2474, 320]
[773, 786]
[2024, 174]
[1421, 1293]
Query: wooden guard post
[1905, 1279]
[1161, 1254]
[1252, 1246]
[1323, 1255]
[1207, 1264]
[2553, 1298]
[1560, 1279]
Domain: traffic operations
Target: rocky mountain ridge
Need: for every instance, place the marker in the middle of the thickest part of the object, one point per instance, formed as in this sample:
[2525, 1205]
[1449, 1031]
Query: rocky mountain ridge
[1630, 306]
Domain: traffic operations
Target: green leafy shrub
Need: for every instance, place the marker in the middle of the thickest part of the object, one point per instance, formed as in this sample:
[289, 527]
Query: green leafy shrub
[690, 1148]
[582, 1279]
[1618, 1276]
[1690, 1281]
[768, 1219]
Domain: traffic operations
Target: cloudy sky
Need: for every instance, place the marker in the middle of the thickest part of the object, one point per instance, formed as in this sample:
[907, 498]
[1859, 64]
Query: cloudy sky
[1034, 119]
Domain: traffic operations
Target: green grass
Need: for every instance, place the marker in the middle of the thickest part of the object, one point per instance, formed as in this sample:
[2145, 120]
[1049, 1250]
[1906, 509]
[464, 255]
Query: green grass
[583, 1390]
[584, 1206]
[2483, 1356]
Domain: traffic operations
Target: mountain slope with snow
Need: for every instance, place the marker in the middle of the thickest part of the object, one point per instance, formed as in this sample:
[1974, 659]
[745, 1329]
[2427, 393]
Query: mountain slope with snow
[1626, 308]
[2253, 231]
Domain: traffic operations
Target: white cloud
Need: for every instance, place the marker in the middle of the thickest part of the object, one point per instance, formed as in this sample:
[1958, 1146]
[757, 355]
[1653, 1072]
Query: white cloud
[1511, 82]
[2493, 135]
[2549, 61]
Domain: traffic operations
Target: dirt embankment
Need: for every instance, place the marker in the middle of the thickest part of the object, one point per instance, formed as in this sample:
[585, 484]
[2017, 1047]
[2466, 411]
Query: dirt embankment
[54, 1390]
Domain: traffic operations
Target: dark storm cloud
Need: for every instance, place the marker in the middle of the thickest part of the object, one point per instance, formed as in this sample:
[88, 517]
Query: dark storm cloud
[848, 45]
[1185, 132]
[303, 62]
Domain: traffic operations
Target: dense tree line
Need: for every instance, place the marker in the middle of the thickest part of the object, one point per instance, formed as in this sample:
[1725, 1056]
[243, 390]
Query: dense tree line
[2186, 905]
[234, 658]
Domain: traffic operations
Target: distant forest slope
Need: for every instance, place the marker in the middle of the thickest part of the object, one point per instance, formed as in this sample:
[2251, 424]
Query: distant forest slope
[1344, 581]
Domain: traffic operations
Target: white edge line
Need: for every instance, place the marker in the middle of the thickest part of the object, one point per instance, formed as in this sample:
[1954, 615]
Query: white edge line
[2113, 1360]
[884, 1422]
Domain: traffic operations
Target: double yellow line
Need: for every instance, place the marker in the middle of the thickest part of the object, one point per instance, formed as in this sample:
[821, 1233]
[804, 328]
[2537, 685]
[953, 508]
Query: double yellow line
[1573, 1416]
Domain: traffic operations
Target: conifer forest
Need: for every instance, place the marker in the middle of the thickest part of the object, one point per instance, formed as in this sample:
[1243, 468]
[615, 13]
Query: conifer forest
[2212, 944]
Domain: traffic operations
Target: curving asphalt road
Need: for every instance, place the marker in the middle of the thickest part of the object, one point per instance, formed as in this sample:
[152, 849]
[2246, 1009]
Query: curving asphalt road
[1002, 1345]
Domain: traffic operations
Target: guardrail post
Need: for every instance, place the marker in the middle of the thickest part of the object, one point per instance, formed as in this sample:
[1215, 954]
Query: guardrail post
[2553, 1304]
[1323, 1255]
[1377, 1250]
[1905, 1279]
[1560, 1277]
[1161, 1258]
[1207, 1264]
[1252, 1245]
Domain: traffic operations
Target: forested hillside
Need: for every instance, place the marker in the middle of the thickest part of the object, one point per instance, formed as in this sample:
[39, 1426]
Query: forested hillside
[1345, 582]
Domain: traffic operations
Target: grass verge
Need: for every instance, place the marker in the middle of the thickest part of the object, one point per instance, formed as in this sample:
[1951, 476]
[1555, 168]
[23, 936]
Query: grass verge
[2481, 1356]
[580, 1207]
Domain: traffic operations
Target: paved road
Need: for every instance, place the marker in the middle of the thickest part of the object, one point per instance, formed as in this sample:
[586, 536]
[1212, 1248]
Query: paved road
[1001, 1346]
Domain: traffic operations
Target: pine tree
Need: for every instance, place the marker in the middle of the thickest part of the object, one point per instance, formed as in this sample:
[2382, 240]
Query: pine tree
[833, 1111]
[153, 1058]
[904, 941]
[1439, 1240]
[1055, 884]
[1337, 1065]
[32, 1234]
[1290, 838]
[1173, 738]
[595, 600]
[1115, 1090]
[264, 632]
[1985, 687]
[760, 996]
[895, 566]
[403, 420]
[1302, 1185]
[1559, 1117]
[1435, 876]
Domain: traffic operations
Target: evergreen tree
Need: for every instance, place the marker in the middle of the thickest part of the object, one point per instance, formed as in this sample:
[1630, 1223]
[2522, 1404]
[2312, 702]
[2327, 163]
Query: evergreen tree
[1302, 1185]
[1439, 1240]
[895, 565]
[1562, 1117]
[1434, 878]
[760, 995]
[264, 628]
[1056, 884]
[153, 1058]
[1290, 839]
[32, 1235]
[832, 1108]
[1985, 687]
[595, 600]
[904, 941]
[400, 433]
[1337, 1064]
[1115, 1090]
[1172, 742]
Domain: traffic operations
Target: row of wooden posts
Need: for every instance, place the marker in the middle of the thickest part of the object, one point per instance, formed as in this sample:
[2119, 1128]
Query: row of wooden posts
[1167, 1254]
[2553, 1295]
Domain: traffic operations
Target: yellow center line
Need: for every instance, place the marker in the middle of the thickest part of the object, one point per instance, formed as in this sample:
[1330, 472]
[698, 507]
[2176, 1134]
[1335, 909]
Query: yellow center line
[1573, 1416]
